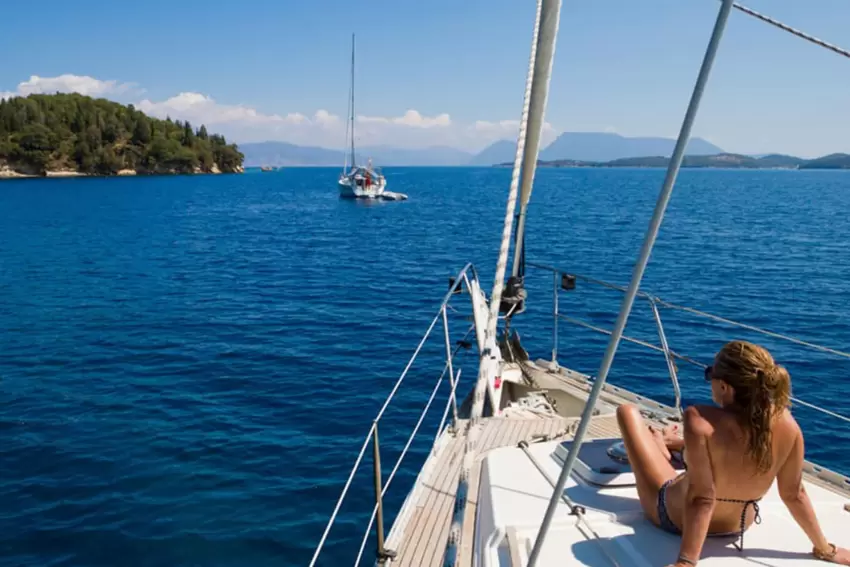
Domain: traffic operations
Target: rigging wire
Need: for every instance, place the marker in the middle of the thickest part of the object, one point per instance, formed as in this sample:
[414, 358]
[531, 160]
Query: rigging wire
[794, 31]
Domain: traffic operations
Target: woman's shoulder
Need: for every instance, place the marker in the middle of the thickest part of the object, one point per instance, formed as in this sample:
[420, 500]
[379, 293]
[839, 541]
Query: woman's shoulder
[785, 422]
[710, 421]
[702, 416]
[700, 420]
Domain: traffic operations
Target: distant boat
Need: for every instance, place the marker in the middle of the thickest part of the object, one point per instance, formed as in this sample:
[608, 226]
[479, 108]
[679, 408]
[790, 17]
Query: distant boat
[357, 181]
[267, 168]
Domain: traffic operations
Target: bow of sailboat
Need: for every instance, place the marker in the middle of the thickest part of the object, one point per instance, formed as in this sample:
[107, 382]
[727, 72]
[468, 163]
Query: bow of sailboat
[526, 468]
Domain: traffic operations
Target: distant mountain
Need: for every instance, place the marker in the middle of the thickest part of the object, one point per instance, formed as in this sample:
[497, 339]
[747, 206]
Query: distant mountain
[603, 146]
[732, 161]
[832, 161]
[283, 153]
[435, 155]
[594, 147]
[570, 149]
[718, 160]
[497, 152]
[286, 154]
[779, 160]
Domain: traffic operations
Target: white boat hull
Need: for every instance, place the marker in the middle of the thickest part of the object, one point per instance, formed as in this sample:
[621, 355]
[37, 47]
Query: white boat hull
[348, 189]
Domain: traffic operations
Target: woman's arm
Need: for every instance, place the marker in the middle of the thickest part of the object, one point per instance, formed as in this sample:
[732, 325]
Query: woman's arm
[675, 444]
[793, 494]
[796, 499]
[699, 501]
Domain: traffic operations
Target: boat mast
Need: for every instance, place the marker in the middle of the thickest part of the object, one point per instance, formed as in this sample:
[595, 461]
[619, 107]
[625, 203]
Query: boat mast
[537, 104]
[351, 117]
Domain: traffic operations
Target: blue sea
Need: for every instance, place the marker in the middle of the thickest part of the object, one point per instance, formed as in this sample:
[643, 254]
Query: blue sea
[188, 365]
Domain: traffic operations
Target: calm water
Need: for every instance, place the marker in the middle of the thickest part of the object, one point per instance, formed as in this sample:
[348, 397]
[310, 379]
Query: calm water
[188, 365]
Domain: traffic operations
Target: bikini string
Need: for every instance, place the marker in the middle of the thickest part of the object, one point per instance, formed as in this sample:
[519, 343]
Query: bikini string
[756, 520]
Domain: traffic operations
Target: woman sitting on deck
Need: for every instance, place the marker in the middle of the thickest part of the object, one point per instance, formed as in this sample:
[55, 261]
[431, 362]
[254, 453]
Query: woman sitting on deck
[734, 452]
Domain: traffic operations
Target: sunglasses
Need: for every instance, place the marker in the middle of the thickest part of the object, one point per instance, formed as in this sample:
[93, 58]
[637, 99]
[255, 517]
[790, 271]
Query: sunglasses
[708, 373]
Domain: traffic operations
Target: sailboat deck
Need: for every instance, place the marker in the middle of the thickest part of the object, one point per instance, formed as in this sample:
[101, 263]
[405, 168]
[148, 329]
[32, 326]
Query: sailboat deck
[422, 539]
[420, 535]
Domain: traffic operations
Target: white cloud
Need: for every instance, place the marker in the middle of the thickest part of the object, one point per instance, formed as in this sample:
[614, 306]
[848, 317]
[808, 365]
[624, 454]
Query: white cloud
[321, 127]
[69, 84]
[326, 119]
[411, 118]
[416, 120]
[505, 126]
[324, 128]
[200, 108]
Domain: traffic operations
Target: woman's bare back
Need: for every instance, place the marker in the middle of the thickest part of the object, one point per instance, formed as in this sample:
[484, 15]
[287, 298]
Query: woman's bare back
[735, 473]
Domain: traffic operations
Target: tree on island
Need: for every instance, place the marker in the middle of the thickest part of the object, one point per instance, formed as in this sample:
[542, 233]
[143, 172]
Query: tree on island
[41, 133]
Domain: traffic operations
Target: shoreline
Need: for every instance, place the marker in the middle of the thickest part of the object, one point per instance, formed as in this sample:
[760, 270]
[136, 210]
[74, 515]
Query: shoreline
[664, 168]
[7, 173]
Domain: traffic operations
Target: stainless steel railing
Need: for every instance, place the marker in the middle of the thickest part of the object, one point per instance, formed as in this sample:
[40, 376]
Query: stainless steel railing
[463, 280]
[671, 355]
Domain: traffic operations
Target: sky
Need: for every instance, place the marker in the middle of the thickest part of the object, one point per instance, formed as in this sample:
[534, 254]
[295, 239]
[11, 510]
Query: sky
[441, 72]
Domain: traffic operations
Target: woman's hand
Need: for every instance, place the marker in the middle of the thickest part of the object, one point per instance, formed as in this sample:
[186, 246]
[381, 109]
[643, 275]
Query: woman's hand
[668, 439]
[671, 435]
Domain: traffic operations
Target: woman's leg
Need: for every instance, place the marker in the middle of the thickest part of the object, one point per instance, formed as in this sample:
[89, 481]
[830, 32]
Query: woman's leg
[652, 469]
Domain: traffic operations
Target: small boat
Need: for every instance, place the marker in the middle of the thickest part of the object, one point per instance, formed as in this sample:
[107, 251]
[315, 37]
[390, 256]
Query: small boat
[267, 168]
[357, 181]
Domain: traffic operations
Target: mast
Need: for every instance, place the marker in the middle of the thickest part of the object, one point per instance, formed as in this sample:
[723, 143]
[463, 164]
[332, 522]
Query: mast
[352, 102]
[537, 108]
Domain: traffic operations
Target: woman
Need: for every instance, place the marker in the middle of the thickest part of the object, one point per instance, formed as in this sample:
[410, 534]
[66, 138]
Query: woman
[733, 452]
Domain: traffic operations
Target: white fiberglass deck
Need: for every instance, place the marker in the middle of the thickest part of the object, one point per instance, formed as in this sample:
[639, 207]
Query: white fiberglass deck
[514, 494]
[420, 533]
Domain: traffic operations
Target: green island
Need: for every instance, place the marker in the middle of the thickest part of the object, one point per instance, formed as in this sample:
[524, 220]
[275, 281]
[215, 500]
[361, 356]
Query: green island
[731, 161]
[72, 134]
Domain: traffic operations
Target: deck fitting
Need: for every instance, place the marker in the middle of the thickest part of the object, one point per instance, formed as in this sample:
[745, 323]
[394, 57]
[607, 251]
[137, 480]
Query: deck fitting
[384, 555]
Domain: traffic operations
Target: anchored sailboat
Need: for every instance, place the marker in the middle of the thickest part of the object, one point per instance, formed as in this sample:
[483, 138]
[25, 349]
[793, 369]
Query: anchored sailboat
[356, 181]
[528, 469]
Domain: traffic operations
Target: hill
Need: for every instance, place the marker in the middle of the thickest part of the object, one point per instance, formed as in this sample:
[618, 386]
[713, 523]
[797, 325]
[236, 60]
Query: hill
[731, 161]
[718, 160]
[497, 152]
[434, 155]
[581, 146]
[594, 147]
[603, 146]
[779, 160]
[832, 161]
[72, 133]
[286, 154]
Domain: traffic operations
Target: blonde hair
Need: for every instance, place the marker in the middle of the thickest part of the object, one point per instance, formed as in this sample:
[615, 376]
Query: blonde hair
[762, 391]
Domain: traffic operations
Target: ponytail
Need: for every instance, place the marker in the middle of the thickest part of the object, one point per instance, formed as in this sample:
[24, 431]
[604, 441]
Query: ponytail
[767, 399]
[762, 391]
